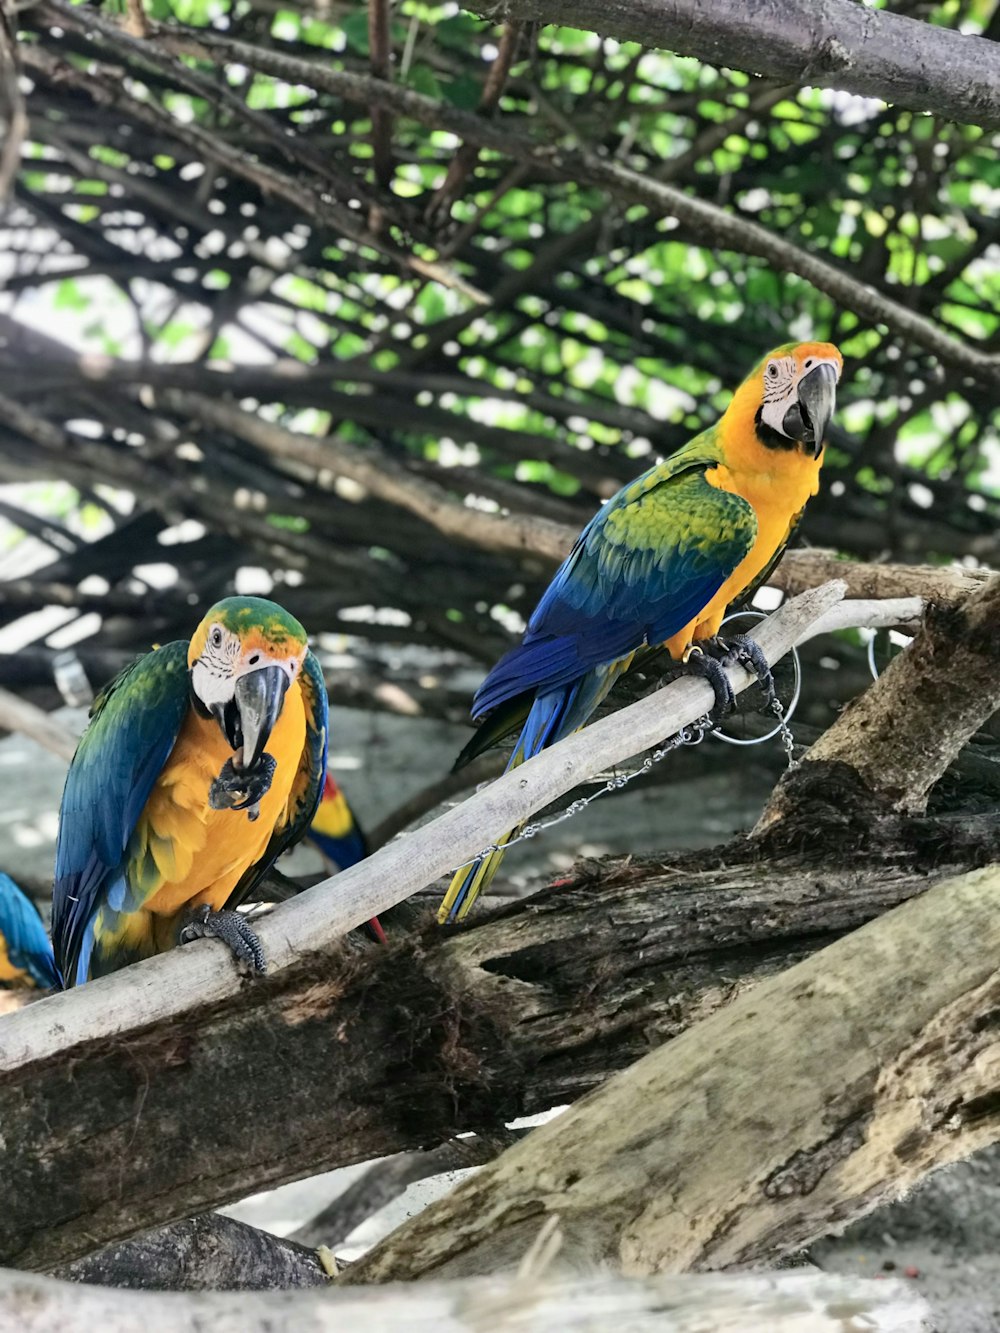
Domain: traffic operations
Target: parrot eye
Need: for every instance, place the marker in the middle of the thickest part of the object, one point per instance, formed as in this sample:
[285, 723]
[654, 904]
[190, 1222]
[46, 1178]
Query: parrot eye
[772, 369]
[216, 637]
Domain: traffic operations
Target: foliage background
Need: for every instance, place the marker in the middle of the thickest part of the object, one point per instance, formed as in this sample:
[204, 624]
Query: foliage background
[221, 215]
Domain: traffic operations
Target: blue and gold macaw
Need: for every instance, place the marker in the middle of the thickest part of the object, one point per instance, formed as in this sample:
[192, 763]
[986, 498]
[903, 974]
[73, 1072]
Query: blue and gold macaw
[659, 564]
[339, 837]
[26, 960]
[202, 763]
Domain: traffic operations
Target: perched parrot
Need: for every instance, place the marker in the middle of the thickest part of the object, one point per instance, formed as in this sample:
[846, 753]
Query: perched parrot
[26, 959]
[340, 838]
[202, 763]
[657, 567]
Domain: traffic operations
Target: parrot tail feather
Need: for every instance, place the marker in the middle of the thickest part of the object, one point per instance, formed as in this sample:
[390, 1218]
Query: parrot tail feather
[470, 881]
[543, 726]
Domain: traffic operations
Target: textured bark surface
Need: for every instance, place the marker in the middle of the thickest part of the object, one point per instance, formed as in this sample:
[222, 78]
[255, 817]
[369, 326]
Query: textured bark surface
[802, 1105]
[903, 732]
[809, 566]
[348, 1056]
[830, 43]
[772, 1303]
[208, 1253]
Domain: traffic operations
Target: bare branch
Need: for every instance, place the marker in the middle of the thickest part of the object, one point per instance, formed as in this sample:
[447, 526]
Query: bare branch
[13, 113]
[380, 57]
[830, 44]
[18, 715]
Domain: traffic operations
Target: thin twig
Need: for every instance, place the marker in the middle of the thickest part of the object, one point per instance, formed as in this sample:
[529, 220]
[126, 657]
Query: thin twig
[380, 57]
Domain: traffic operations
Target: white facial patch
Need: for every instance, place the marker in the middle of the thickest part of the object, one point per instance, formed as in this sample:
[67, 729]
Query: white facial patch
[213, 676]
[780, 379]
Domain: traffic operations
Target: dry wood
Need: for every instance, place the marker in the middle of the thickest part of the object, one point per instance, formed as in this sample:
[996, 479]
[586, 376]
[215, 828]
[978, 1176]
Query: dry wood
[772, 1303]
[827, 1090]
[900, 735]
[808, 567]
[18, 715]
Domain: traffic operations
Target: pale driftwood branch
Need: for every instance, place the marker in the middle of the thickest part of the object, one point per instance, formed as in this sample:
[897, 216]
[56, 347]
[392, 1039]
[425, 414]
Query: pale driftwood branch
[827, 1090]
[900, 736]
[177, 983]
[18, 715]
[208, 1253]
[829, 43]
[768, 1303]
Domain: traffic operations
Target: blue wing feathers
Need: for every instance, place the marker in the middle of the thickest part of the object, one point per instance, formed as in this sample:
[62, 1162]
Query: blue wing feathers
[133, 728]
[638, 574]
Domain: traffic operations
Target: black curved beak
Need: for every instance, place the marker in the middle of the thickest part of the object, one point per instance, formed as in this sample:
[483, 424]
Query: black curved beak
[257, 703]
[808, 419]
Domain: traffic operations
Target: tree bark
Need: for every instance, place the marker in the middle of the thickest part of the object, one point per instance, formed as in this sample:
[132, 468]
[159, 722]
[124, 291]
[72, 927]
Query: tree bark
[207, 1253]
[771, 1303]
[829, 43]
[825, 1091]
[899, 736]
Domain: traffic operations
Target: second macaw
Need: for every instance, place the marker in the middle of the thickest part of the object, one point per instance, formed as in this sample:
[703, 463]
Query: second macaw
[26, 959]
[340, 838]
[658, 566]
[202, 763]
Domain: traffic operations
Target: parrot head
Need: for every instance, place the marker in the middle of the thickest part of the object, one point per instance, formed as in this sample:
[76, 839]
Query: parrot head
[243, 657]
[792, 393]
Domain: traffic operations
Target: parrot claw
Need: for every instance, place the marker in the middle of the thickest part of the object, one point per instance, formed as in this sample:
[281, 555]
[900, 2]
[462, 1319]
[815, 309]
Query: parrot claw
[713, 671]
[242, 789]
[749, 654]
[233, 929]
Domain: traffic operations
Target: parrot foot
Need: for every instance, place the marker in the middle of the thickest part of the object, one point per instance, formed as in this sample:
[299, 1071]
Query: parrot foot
[242, 789]
[713, 671]
[233, 929]
[749, 654]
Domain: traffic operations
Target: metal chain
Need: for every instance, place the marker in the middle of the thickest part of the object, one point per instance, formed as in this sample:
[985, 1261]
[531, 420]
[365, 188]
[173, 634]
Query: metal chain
[785, 732]
[691, 735]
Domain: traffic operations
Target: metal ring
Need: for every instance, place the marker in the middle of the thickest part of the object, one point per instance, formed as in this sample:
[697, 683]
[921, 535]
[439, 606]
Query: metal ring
[788, 713]
[871, 656]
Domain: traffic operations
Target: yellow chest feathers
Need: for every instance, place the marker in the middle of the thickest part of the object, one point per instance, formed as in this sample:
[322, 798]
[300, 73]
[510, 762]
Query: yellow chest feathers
[185, 852]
